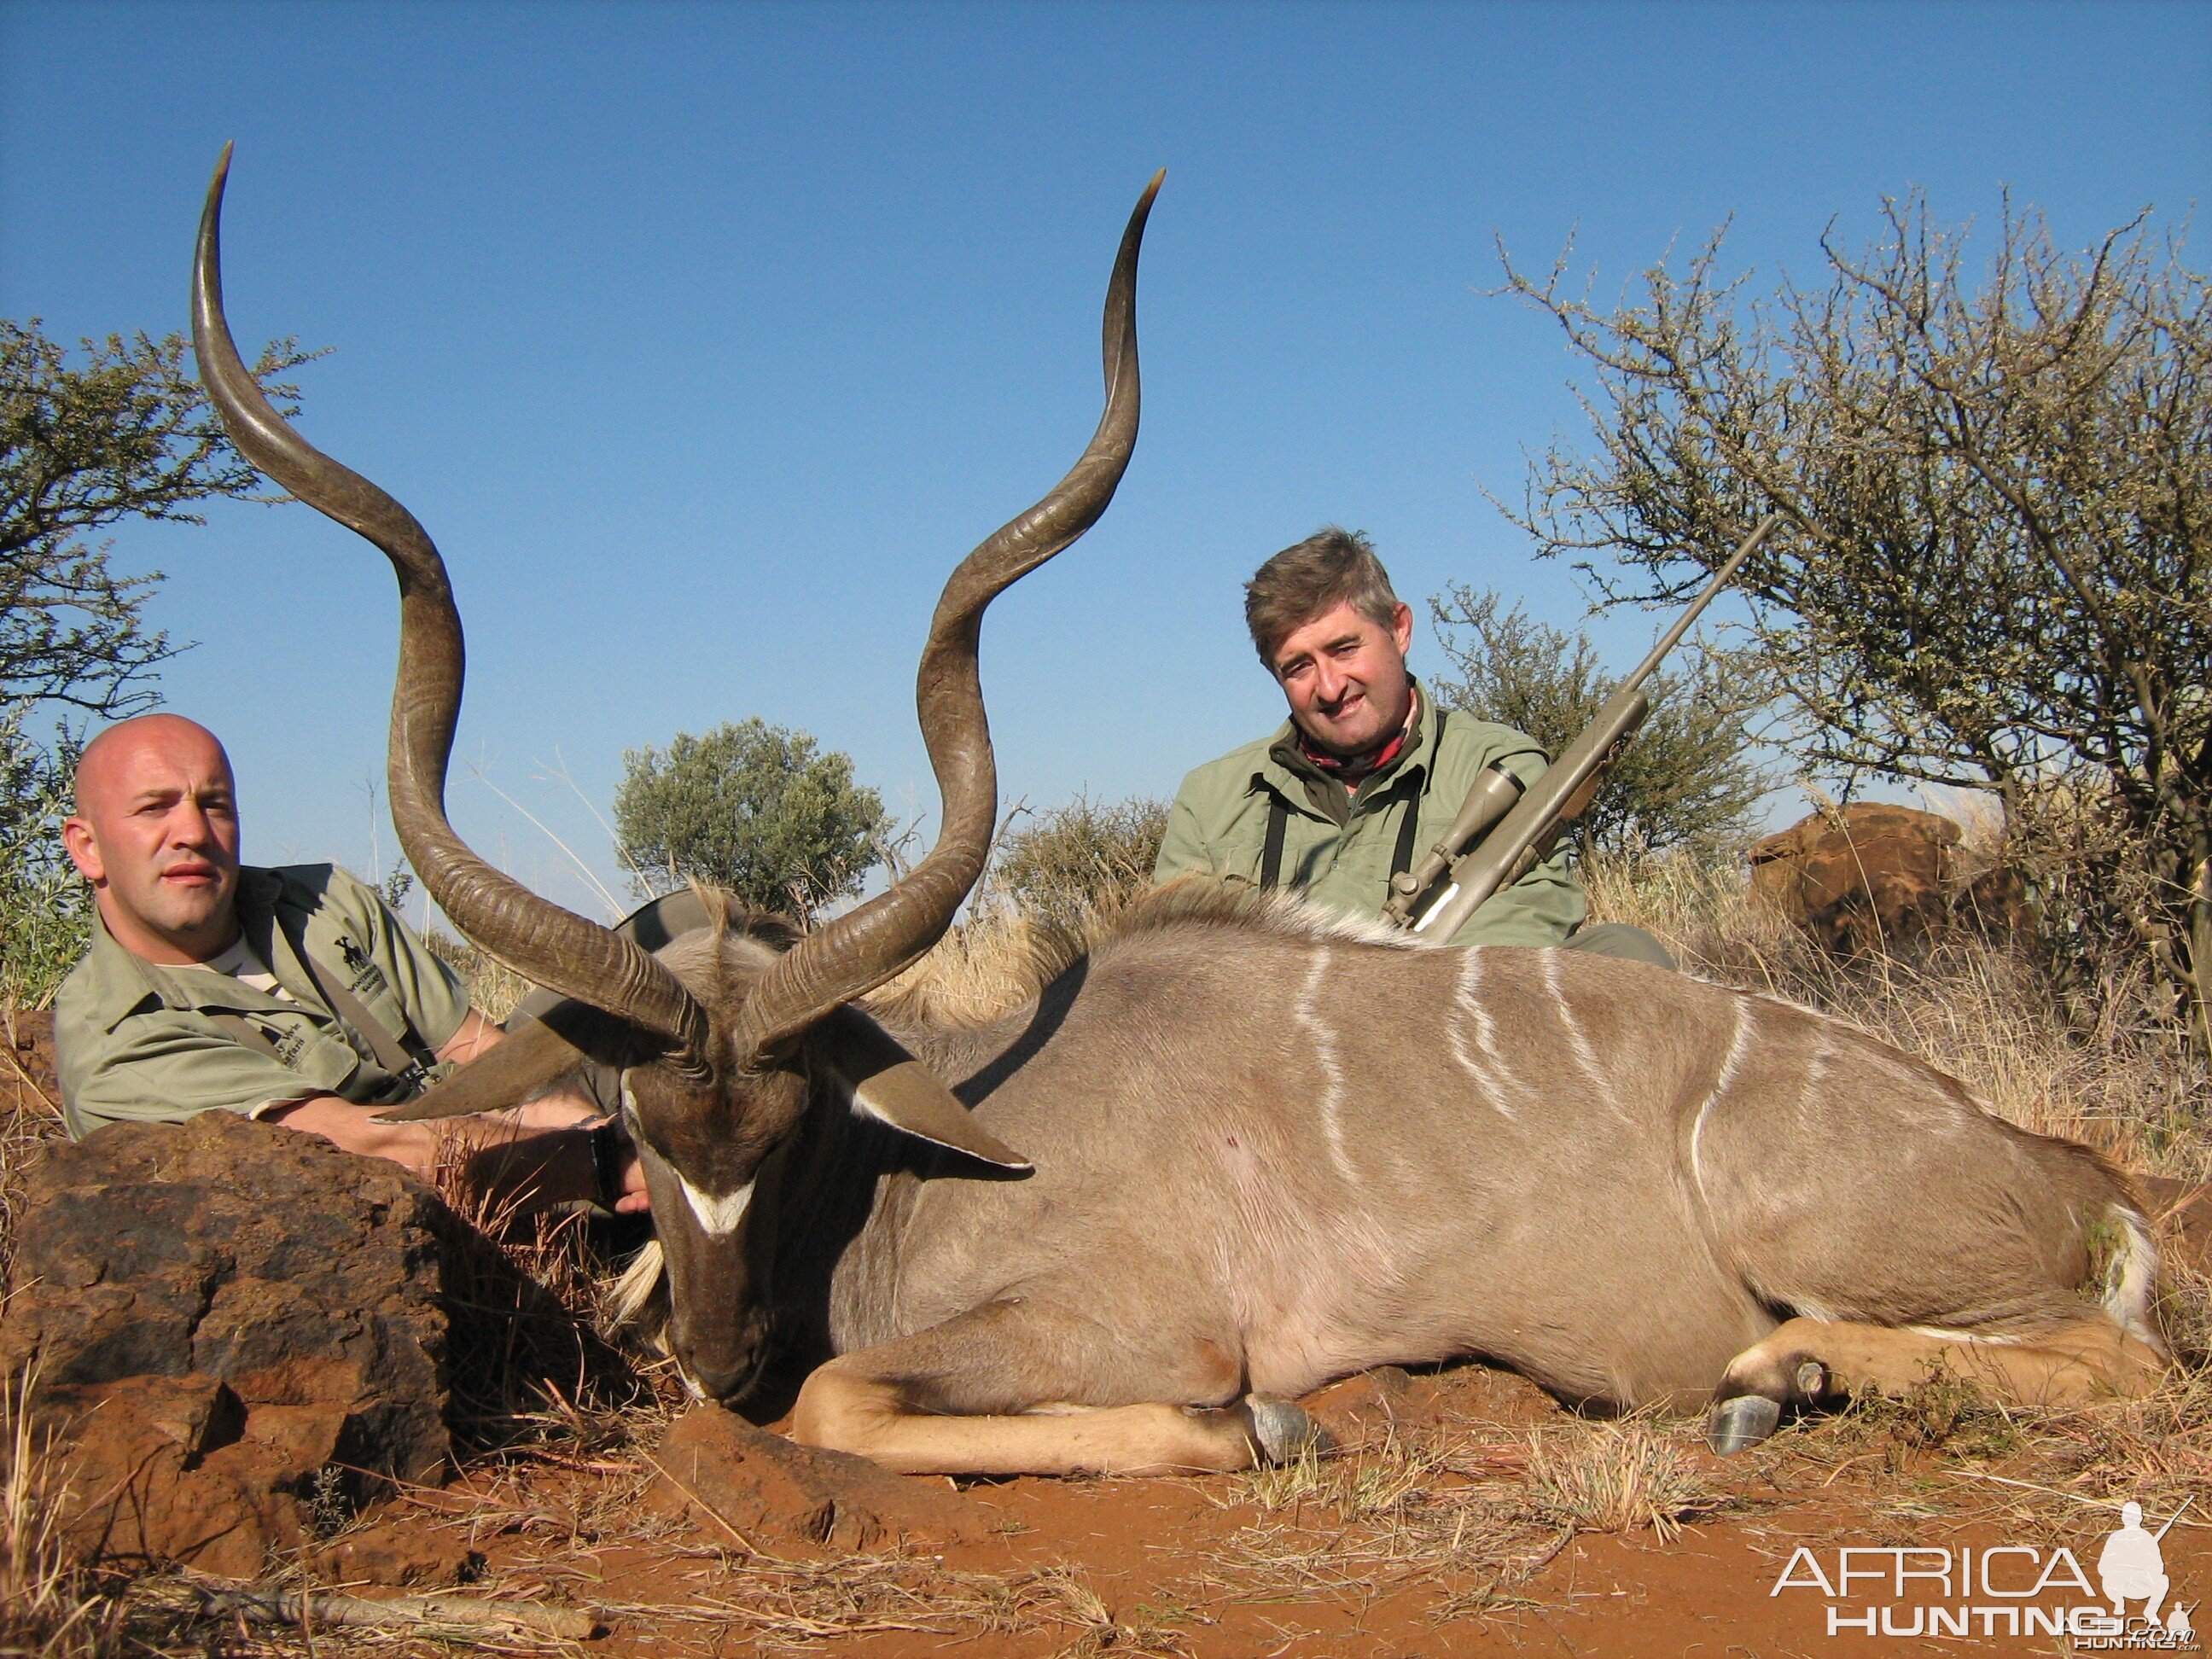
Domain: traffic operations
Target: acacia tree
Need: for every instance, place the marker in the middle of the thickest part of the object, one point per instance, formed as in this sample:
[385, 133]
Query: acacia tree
[754, 809]
[1688, 779]
[122, 432]
[1994, 564]
[125, 432]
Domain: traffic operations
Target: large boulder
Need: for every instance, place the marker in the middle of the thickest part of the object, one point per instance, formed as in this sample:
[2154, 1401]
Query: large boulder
[236, 1334]
[1870, 877]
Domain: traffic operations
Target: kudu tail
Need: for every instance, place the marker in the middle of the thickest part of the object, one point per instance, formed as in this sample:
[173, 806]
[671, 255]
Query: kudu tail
[635, 1308]
[2130, 1282]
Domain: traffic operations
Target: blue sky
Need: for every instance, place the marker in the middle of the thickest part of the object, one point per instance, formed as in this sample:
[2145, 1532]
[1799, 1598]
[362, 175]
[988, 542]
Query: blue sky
[705, 339]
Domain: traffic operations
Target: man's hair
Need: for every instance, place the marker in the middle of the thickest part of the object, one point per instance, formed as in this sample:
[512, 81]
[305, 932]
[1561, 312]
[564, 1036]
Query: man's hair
[1331, 567]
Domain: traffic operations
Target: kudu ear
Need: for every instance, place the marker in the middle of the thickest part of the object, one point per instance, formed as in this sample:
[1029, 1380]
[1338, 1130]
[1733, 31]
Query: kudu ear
[566, 1034]
[891, 1085]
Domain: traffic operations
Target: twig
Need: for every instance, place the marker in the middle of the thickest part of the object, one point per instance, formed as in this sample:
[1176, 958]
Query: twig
[40, 1095]
[265, 1604]
[614, 905]
[2070, 1496]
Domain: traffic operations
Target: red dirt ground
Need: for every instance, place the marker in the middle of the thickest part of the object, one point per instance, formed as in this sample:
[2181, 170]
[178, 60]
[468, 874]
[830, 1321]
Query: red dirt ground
[1162, 1557]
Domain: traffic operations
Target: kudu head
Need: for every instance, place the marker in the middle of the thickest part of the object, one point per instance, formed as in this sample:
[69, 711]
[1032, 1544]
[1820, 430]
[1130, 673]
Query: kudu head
[726, 1037]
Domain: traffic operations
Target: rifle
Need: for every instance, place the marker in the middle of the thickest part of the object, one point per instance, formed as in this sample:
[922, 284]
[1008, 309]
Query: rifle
[1510, 832]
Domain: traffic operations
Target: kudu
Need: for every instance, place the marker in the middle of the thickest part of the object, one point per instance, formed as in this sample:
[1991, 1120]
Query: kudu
[1269, 1148]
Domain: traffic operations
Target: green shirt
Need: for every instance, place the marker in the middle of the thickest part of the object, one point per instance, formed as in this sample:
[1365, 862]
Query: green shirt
[142, 1042]
[1339, 845]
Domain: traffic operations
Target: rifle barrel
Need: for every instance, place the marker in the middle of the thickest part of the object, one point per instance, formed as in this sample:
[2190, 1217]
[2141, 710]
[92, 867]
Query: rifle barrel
[1523, 834]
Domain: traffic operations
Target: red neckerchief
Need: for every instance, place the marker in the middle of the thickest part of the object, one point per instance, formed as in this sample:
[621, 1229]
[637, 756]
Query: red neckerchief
[1356, 768]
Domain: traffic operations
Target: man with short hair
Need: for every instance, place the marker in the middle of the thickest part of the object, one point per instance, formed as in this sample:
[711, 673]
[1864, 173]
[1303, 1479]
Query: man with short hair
[292, 995]
[1367, 773]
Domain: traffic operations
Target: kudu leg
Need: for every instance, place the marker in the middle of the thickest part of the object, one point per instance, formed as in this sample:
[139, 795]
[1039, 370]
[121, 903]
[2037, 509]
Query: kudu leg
[1806, 1359]
[998, 1391]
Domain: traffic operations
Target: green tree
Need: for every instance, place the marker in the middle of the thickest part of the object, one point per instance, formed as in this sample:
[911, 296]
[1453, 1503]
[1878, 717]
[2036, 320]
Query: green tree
[1070, 860]
[125, 432]
[122, 432]
[751, 808]
[1688, 778]
[1994, 568]
[44, 911]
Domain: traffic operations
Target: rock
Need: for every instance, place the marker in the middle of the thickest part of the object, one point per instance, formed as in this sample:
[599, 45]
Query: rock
[781, 1496]
[1881, 878]
[236, 1330]
[157, 1468]
[392, 1552]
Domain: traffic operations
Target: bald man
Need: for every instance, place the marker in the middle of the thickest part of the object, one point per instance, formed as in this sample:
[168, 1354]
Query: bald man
[294, 995]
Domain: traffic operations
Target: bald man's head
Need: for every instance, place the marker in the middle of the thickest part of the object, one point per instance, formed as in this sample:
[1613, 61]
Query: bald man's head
[155, 832]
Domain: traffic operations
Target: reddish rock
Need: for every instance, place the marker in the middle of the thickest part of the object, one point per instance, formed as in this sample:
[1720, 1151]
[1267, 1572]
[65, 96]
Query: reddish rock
[398, 1553]
[154, 1469]
[235, 1327]
[717, 1470]
[26, 1067]
[1881, 878]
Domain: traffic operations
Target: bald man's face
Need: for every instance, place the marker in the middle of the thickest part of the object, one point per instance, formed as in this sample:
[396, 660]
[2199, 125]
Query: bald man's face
[155, 833]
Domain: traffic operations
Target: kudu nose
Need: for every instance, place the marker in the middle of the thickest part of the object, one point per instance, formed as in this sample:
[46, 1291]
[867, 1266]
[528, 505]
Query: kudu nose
[721, 1382]
[724, 1370]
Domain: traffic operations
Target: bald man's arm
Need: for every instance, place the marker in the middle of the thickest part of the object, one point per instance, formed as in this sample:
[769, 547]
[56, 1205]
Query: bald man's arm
[533, 1155]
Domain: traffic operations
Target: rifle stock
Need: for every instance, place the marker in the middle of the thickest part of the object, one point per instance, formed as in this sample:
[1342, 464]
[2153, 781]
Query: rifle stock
[1526, 834]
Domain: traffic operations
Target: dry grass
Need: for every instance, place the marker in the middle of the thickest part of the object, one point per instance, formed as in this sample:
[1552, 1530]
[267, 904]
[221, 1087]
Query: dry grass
[978, 970]
[46, 1606]
[494, 988]
[1627, 1476]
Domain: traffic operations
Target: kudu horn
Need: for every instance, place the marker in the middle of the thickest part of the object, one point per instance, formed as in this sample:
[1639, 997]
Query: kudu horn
[872, 942]
[536, 939]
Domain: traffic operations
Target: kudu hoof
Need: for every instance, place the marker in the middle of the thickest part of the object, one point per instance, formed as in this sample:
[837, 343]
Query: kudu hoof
[1736, 1424]
[1284, 1432]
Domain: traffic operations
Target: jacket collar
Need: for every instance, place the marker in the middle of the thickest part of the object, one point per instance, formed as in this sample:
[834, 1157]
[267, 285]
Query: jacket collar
[1285, 770]
[126, 980]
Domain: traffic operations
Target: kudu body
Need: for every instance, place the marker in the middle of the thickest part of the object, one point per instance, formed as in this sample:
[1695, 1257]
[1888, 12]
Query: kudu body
[1268, 1148]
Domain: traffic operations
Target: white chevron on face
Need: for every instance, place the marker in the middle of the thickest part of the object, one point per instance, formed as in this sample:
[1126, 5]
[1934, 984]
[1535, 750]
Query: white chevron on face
[718, 1216]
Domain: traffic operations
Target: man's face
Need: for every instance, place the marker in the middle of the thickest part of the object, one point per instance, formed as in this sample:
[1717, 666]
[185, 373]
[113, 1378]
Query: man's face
[1344, 675]
[155, 833]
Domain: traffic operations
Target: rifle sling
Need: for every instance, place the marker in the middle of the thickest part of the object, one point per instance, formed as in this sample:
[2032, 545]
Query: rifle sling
[1271, 855]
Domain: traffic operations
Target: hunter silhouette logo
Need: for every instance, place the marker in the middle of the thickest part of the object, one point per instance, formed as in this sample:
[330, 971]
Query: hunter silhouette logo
[355, 957]
[2132, 1566]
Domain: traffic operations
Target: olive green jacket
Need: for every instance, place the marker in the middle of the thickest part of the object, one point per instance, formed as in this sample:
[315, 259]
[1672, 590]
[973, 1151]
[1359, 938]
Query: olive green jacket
[137, 1041]
[1338, 846]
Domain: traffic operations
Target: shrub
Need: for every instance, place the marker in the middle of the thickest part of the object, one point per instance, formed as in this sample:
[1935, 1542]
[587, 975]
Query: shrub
[1087, 855]
[1994, 564]
[46, 914]
[753, 808]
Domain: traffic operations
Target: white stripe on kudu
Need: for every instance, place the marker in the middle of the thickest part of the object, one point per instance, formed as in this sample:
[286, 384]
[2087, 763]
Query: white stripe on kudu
[718, 1216]
[1324, 1039]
